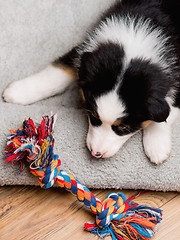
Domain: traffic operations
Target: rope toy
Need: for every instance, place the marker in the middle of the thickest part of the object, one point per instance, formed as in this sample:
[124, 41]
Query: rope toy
[117, 216]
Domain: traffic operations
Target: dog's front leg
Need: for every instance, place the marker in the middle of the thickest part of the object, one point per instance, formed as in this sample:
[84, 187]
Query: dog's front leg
[157, 138]
[52, 80]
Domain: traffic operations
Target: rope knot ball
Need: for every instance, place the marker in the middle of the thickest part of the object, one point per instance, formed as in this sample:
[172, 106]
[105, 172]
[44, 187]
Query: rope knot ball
[117, 216]
[113, 207]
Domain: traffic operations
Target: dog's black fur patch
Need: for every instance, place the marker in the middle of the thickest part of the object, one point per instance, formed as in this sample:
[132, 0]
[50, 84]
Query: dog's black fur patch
[99, 70]
[144, 85]
[143, 89]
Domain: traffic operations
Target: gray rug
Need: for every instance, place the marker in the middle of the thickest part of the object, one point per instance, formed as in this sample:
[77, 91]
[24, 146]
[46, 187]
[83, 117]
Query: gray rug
[35, 32]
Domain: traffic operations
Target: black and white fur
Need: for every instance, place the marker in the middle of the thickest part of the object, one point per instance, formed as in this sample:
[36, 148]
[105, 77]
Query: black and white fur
[128, 69]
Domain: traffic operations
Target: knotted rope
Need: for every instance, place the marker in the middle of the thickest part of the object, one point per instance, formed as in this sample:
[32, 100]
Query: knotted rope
[116, 215]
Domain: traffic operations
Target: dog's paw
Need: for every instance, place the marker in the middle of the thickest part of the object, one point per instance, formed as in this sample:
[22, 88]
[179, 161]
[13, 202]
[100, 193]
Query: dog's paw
[157, 145]
[17, 92]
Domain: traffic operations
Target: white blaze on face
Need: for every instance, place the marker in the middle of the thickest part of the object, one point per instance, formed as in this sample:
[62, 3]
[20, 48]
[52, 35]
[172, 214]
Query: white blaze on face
[110, 107]
[103, 139]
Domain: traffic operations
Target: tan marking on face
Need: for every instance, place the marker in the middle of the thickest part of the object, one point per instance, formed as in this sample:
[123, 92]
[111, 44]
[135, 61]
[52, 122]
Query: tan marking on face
[117, 123]
[82, 94]
[95, 114]
[146, 123]
[68, 70]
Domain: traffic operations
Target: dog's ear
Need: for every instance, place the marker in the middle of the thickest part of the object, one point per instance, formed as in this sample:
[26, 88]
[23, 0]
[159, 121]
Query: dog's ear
[84, 69]
[144, 88]
[158, 109]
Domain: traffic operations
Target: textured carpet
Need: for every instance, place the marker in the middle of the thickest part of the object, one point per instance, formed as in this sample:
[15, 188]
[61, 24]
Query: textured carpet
[33, 33]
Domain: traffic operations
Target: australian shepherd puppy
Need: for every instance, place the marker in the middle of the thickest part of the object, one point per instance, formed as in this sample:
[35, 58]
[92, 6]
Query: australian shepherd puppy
[128, 70]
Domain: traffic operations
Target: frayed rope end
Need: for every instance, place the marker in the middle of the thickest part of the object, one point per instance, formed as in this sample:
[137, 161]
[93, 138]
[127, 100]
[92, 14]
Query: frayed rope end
[129, 221]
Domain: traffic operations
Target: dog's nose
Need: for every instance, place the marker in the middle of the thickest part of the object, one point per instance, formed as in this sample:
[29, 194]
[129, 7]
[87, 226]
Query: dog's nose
[96, 154]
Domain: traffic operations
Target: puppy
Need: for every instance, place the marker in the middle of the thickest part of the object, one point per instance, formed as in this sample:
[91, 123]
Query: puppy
[128, 70]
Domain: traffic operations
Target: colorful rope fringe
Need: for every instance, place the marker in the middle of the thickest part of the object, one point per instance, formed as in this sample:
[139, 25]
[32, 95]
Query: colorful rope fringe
[116, 215]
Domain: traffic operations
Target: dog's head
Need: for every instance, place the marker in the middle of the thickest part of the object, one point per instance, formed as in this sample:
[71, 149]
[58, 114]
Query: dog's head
[121, 97]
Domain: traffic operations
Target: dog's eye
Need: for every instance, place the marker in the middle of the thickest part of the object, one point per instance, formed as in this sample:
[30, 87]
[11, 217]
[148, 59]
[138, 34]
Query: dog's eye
[118, 124]
[94, 118]
[120, 127]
